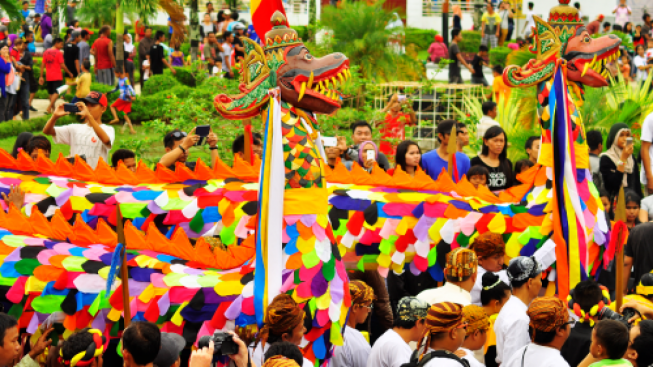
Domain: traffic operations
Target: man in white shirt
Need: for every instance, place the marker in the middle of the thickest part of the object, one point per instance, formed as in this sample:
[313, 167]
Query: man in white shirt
[92, 139]
[530, 22]
[549, 328]
[646, 173]
[227, 47]
[460, 273]
[490, 250]
[392, 349]
[356, 349]
[641, 64]
[489, 109]
[445, 334]
[511, 326]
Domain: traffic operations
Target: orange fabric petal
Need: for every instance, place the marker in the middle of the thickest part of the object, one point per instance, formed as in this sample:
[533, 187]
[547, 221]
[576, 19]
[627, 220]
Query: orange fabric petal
[294, 261]
[84, 234]
[380, 177]
[454, 213]
[244, 170]
[529, 176]
[127, 176]
[17, 222]
[106, 174]
[6, 160]
[163, 174]
[63, 167]
[57, 261]
[135, 240]
[181, 245]
[6, 250]
[157, 241]
[592, 205]
[203, 254]
[523, 220]
[540, 177]
[203, 172]
[83, 171]
[144, 173]
[40, 224]
[359, 176]
[47, 273]
[222, 171]
[183, 173]
[45, 165]
[444, 183]
[340, 174]
[25, 162]
[61, 229]
[304, 232]
[105, 234]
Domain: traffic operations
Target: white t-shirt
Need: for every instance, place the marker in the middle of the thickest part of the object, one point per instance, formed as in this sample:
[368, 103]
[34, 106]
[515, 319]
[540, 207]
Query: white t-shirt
[647, 135]
[447, 293]
[640, 61]
[146, 73]
[647, 204]
[83, 141]
[530, 20]
[504, 18]
[469, 357]
[442, 362]
[390, 350]
[354, 351]
[226, 57]
[536, 355]
[511, 328]
[13, 88]
[622, 17]
[258, 356]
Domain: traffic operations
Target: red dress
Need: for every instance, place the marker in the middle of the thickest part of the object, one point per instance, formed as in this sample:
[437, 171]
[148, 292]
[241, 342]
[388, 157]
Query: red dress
[393, 128]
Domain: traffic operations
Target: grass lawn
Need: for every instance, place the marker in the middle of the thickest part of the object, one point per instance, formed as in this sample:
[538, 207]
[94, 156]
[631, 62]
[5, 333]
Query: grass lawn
[154, 150]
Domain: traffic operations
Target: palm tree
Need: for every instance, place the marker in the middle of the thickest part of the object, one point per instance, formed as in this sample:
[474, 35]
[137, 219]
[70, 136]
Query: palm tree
[144, 6]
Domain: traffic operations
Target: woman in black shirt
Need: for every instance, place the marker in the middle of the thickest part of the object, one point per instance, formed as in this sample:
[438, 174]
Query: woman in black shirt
[617, 165]
[494, 157]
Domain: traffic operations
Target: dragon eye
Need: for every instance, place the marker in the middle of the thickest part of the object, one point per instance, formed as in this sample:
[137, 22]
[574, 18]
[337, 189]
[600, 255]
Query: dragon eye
[587, 39]
[308, 56]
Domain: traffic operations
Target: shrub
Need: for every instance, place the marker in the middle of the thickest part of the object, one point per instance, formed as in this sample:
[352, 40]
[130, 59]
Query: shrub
[185, 76]
[498, 55]
[15, 127]
[471, 41]
[422, 38]
[158, 83]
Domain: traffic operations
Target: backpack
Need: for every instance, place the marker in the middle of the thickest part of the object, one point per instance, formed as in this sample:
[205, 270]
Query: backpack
[435, 354]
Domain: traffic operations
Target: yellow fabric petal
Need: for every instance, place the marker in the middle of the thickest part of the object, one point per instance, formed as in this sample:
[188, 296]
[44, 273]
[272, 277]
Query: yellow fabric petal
[434, 231]
[384, 260]
[147, 294]
[497, 224]
[34, 285]
[229, 288]
[80, 203]
[513, 246]
[114, 315]
[305, 246]
[177, 319]
[406, 222]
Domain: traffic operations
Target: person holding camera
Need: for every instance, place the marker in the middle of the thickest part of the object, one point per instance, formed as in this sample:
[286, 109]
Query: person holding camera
[177, 145]
[92, 138]
[397, 114]
[617, 165]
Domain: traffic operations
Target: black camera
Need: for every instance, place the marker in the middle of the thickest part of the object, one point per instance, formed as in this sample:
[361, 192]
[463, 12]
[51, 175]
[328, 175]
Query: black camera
[608, 314]
[223, 344]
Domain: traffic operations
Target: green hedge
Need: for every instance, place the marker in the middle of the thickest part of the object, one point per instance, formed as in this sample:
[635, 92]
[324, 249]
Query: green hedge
[13, 128]
[471, 41]
[498, 55]
[422, 38]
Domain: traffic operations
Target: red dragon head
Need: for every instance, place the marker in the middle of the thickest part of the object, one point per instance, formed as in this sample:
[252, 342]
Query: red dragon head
[305, 81]
[587, 57]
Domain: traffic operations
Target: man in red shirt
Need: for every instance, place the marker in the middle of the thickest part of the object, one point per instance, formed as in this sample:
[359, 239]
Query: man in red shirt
[105, 61]
[393, 126]
[594, 26]
[53, 61]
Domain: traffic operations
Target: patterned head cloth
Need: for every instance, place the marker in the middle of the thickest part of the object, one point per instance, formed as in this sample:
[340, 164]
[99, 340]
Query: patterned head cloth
[361, 293]
[547, 313]
[488, 244]
[475, 318]
[523, 267]
[86, 357]
[461, 263]
[280, 361]
[412, 309]
[281, 316]
[441, 318]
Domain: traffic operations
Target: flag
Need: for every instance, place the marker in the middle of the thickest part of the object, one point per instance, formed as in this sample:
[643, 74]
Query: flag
[262, 11]
[569, 232]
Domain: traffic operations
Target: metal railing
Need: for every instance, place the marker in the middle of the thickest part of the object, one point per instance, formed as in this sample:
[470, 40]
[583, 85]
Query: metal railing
[434, 7]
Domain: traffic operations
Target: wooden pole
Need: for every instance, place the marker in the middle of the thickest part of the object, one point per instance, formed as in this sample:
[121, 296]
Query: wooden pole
[620, 215]
[445, 22]
[124, 274]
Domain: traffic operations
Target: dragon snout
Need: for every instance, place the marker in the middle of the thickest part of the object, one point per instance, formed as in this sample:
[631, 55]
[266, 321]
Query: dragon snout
[614, 37]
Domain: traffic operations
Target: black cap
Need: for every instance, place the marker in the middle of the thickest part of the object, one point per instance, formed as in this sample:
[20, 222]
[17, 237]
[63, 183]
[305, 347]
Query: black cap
[171, 347]
[96, 98]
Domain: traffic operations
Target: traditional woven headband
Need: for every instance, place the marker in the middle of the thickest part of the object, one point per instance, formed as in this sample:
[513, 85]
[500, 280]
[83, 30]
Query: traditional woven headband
[594, 310]
[94, 350]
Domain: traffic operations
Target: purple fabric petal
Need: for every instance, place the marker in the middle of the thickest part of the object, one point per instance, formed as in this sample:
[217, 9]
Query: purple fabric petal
[421, 230]
[63, 197]
[164, 303]
[235, 309]
[154, 208]
[413, 269]
[192, 234]
[336, 289]
[308, 219]
[319, 285]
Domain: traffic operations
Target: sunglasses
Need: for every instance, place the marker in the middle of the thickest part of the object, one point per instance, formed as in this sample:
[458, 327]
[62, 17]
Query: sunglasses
[179, 134]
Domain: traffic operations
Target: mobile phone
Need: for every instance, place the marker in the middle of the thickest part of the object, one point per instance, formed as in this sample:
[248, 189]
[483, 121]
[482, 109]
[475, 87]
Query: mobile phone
[70, 107]
[629, 140]
[371, 155]
[329, 141]
[203, 132]
[401, 97]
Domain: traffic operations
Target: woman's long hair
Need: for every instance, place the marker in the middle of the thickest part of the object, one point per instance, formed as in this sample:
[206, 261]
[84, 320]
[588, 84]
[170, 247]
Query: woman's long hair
[402, 149]
[493, 132]
[21, 142]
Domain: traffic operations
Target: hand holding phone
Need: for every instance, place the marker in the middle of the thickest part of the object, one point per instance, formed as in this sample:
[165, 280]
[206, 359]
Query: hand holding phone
[329, 141]
[371, 155]
[203, 132]
[401, 97]
[629, 141]
[70, 107]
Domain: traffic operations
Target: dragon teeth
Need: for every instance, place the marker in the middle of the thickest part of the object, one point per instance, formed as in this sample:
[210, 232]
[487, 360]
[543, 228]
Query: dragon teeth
[302, 90]
[585, 70]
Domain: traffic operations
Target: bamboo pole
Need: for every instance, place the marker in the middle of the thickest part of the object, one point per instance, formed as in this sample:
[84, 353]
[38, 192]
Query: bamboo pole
[124, 274]
[620, 215]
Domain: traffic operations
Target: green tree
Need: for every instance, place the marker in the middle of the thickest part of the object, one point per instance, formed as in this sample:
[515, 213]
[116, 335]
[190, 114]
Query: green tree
[12, 8]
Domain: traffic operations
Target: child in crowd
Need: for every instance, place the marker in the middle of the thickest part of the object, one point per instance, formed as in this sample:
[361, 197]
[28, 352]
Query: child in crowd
[641, 64]
[124, 101]
[177, 56]
[478, 325]
[477, 65]
[83, 82]
[605, 200]
[356, 349]
[494, 294]
[633, 203]
[610, 340]
[490, 250]
[478, 176]
[532, 146]
[498, 86]
[146, 68]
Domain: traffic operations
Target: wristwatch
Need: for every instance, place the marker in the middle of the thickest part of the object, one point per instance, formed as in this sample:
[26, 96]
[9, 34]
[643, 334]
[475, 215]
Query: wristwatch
[182, 148]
